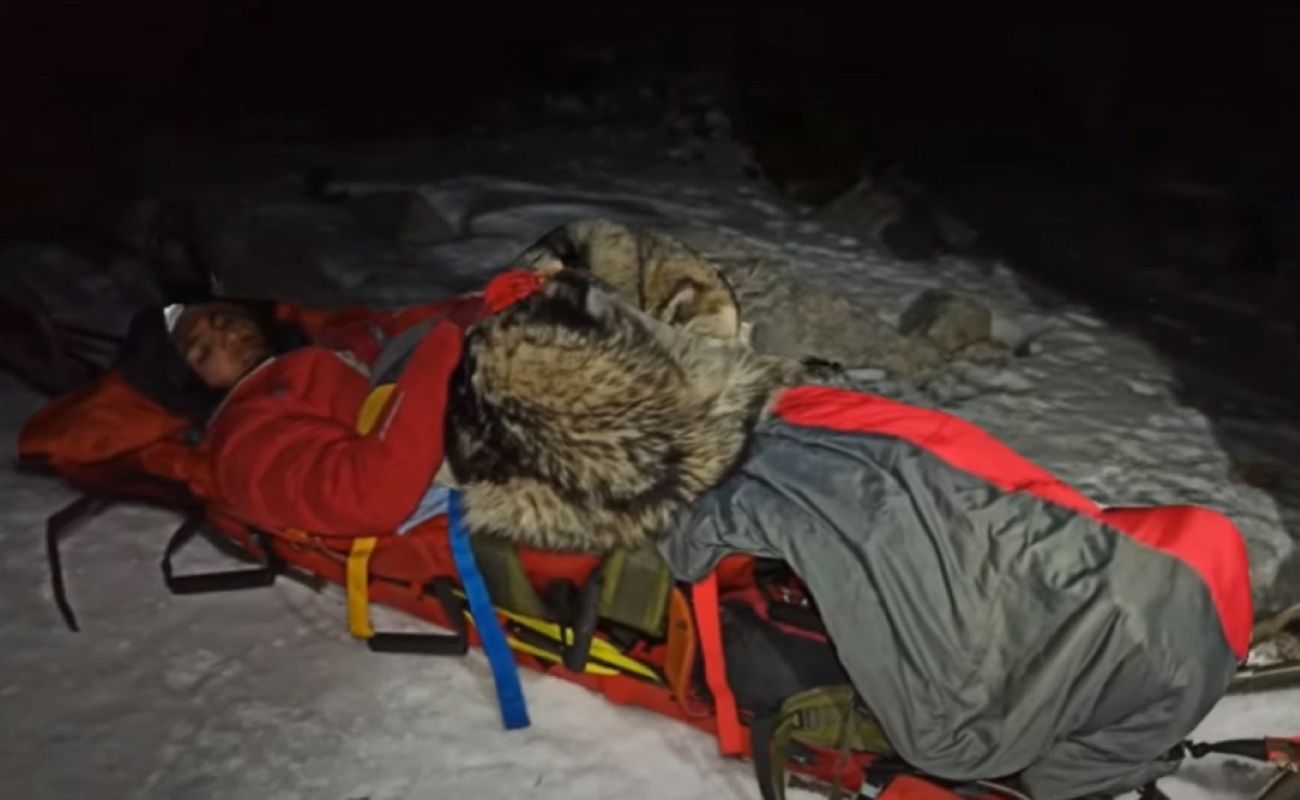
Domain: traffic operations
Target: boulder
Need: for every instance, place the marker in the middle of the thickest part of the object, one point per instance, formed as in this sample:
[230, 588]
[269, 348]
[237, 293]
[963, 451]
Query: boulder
[950, 321]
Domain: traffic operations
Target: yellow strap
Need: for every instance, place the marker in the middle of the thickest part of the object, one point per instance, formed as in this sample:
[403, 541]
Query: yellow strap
[358, 587]
[374, 403]
[359, 556]
[600, 648]
[547, 655]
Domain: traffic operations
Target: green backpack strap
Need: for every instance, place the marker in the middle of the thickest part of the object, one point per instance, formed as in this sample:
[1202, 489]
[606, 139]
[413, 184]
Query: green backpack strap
[636, 589]
[826, 716]
[503, 572]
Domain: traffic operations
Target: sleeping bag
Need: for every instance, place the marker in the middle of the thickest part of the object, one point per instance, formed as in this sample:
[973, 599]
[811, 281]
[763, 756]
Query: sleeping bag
[995, 622]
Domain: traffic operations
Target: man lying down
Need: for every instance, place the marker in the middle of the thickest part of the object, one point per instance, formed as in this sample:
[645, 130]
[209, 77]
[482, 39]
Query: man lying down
[995, 621]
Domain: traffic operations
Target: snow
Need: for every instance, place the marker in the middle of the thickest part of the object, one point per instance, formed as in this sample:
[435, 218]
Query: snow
[264, 694]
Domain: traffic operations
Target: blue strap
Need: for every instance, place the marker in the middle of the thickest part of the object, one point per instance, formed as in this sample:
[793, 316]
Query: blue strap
[505, 673]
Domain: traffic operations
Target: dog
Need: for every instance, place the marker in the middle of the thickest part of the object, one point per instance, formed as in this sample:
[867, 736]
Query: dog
[577, 421]
[657, 273]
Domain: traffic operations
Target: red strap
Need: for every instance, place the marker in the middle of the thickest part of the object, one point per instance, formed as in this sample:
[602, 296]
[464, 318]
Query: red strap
[508, 288]
[708, 623]
[909, 787]
[1282, 753]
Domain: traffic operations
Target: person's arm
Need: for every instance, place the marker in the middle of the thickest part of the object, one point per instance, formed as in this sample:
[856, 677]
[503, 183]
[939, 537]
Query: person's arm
[297, 470]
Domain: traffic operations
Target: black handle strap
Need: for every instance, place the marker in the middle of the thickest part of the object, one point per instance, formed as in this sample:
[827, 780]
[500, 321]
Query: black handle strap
[430, 644]
[60, 524]
[222, 581]
[583, 623]
[236, 579]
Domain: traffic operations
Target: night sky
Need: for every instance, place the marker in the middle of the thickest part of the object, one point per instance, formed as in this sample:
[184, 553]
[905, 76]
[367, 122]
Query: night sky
[1199, 88]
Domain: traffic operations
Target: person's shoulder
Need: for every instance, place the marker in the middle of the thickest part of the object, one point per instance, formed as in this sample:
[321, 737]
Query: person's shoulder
[313, 363]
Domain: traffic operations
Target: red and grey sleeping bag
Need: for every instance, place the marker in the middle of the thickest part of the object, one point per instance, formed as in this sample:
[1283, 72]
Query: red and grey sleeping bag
[996, 622]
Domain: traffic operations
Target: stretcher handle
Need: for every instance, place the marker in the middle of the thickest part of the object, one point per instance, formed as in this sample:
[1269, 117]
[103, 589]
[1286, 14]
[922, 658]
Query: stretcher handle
[225, 580]
[427, 644]
[1255, 749]
[575, 655]
[430, 644]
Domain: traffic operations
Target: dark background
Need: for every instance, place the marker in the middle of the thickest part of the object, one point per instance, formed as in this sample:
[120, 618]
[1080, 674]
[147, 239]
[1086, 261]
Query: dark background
[1214, 94]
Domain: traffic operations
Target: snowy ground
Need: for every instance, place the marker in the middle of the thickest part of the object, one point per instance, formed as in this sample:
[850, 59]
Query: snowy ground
[263, 694]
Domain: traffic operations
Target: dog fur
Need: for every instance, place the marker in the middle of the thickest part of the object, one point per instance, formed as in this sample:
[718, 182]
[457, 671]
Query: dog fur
[661, 275]
[578, 422]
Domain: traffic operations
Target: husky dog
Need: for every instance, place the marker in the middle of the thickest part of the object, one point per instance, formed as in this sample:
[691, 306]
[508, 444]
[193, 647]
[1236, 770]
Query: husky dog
[578, 422]
[661, 275]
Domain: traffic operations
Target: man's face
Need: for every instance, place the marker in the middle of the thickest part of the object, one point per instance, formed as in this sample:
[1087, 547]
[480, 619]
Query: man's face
[221, 343]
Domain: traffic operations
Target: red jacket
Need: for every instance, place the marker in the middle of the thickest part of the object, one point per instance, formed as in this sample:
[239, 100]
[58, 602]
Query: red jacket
[284, 452]
[283, 449]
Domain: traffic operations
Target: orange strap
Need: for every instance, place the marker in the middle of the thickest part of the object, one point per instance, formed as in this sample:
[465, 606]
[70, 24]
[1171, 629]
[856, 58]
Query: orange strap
[709, 623]
[679, 653]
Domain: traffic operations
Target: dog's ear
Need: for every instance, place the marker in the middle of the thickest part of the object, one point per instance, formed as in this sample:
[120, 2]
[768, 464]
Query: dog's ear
[676, 311]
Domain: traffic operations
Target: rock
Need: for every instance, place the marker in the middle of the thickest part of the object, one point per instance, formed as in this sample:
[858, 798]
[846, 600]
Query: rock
[803, 323]
[865, 209]
[874, 209]
[1029, 346]
[951, 322]
[912, 236]
[717, 124]
[909, 221]
[991, 352]
[816, 370]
